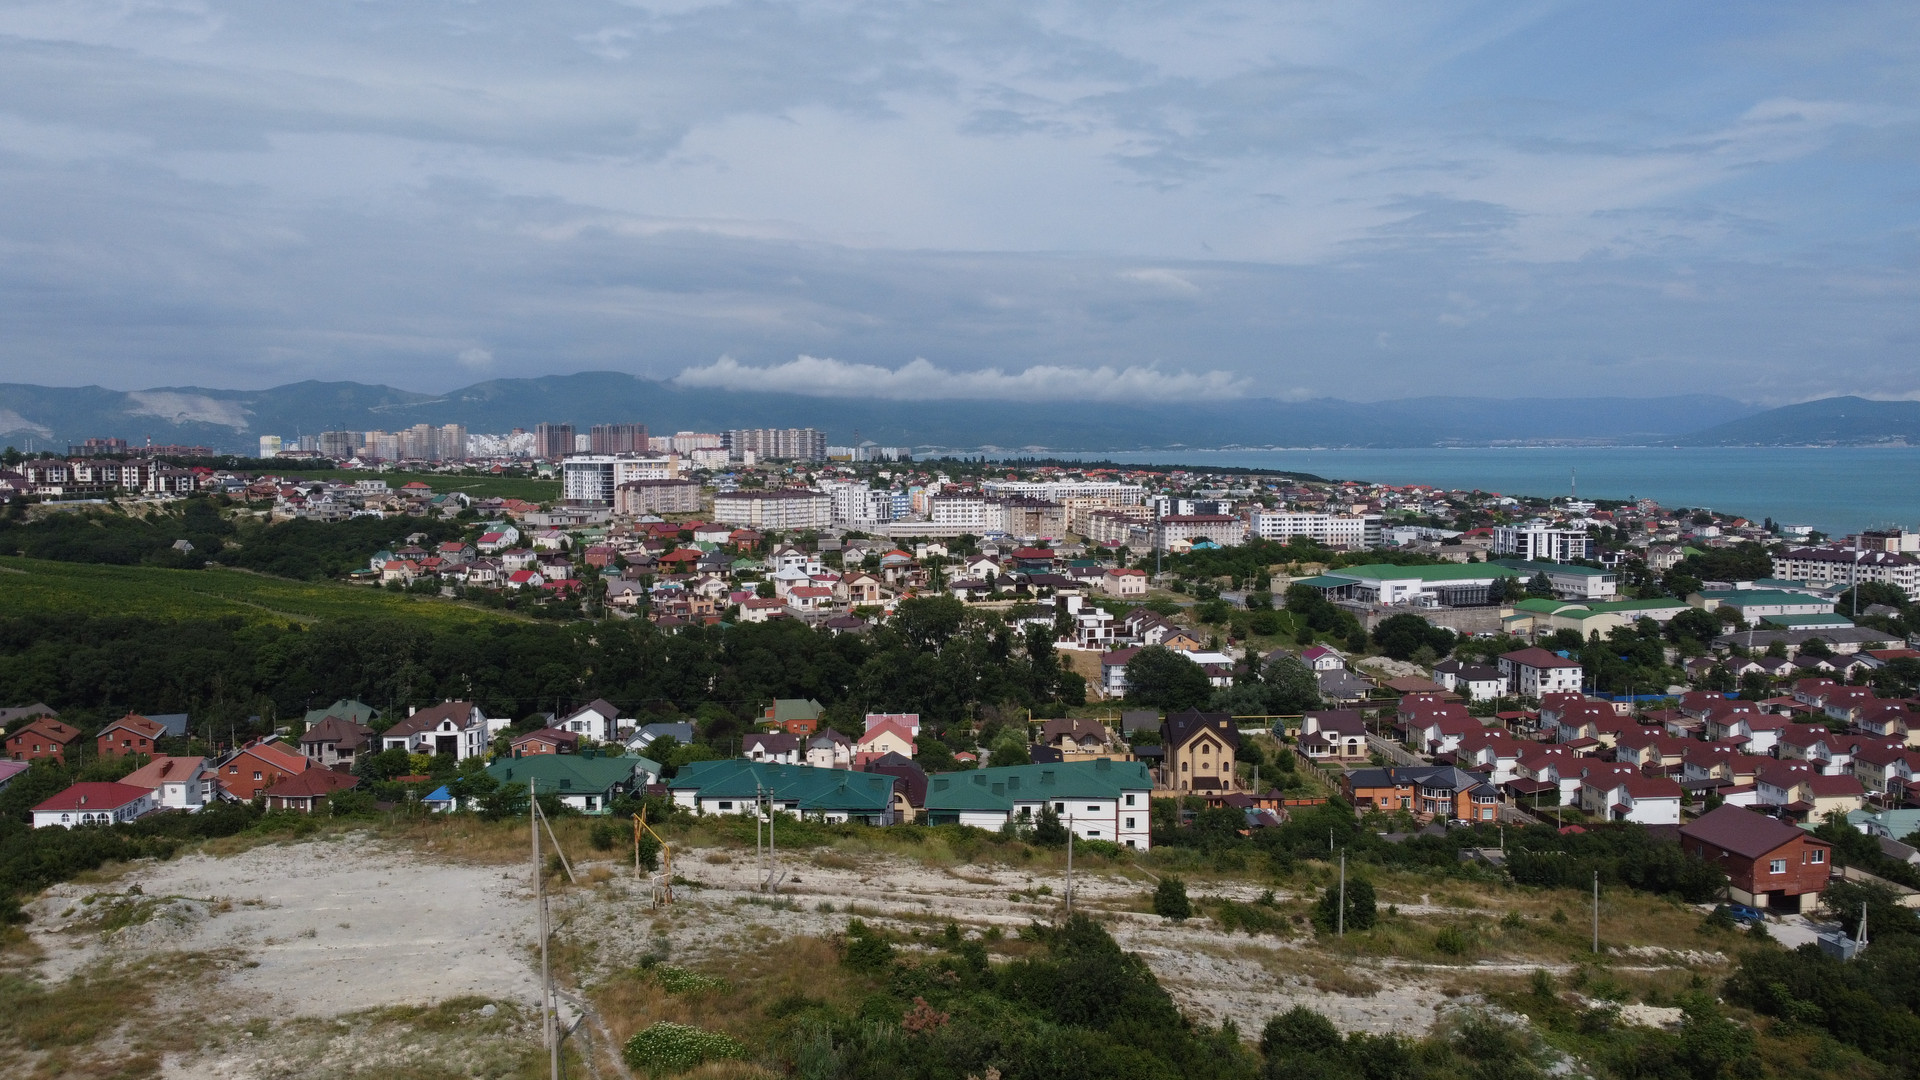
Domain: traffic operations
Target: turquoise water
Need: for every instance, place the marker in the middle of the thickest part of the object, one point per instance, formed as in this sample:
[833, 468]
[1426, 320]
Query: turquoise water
[1834, 490]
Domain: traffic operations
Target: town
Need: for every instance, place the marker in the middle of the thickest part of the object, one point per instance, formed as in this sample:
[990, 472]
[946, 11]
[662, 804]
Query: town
[1155, 658]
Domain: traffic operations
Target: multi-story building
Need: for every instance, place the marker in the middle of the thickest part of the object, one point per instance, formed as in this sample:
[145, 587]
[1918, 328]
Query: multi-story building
[1541, 543]
[450, 442]
[593, 479]
[1222, 529]
[339, 445]
[1109, 492]
[1032, 518]
[618, 439]
[962, 511]
[1847, 566]
[269, 445]
[1348, 531]
[791, 444]
[551, 442]
[784, 508]
[637, 497]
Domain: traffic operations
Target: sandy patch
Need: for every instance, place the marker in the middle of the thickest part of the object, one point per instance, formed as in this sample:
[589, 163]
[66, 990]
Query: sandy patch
[333, 926]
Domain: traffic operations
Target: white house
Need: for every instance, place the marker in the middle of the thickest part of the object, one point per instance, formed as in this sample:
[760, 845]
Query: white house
[94, 803]
[451, 727]
[597, 720]
[1534, 673]
[177, 783]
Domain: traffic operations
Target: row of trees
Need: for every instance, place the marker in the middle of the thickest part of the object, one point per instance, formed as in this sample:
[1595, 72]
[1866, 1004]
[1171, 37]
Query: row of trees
[936, 658]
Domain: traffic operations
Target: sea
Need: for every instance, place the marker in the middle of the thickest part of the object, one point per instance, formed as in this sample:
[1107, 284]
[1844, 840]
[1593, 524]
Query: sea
[1836, 490]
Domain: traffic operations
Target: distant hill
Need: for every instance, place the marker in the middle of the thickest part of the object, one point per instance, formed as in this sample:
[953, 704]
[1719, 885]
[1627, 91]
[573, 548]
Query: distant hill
[233, 420]
[1840, 421]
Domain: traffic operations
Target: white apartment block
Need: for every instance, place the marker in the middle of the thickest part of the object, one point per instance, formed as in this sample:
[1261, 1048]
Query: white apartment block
[858, 504]
[794, 444]
[967, 513]
[1845, 567]
[593, 479]
[786, 508]
[1538, 543]
[1223, 529]
[1350, 531]
[1115, 494]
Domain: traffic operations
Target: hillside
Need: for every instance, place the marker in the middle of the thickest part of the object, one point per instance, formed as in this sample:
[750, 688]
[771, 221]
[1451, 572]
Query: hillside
[232, 420]
[1841, 421]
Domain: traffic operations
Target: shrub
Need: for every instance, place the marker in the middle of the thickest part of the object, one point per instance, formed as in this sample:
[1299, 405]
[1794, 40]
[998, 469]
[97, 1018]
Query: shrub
[1170, 900]
[865, 949]
[604, 835]
[665, 1048]
[1450, 941]
[679, 980]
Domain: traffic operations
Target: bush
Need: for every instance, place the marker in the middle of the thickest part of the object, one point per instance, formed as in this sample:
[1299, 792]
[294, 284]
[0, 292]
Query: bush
[679, 980]
[865, 949]
[665, 1047]
[1170, 900]
[605, 835]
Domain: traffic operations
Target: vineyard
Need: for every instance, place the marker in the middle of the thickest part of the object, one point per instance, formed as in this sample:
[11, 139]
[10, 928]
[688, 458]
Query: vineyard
[39, 587]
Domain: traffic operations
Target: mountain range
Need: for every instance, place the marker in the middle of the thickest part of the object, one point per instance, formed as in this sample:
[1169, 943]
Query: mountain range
[232, 420]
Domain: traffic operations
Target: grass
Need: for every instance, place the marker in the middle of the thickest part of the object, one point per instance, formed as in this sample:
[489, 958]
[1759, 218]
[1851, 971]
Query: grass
[38, 587]
[480, 487]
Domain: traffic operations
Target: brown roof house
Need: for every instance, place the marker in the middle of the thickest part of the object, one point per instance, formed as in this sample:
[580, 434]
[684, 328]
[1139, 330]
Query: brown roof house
[1200, 750]
[451, 727]
[1768, 863]
[303, 792]
[42, 738]
[336, 740]
[1080, 739]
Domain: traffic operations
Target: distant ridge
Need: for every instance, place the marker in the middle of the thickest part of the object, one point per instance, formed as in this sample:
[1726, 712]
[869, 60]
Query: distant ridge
[232, 420]
[1840, 421]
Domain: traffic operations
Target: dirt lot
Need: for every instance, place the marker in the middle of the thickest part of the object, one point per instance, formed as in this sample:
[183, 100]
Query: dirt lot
[353, 956]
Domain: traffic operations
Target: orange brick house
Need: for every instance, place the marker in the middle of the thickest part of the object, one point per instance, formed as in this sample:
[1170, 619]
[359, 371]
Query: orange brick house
[259, 766]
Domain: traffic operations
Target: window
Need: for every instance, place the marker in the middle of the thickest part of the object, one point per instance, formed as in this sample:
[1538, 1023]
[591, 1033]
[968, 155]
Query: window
[1059, 808]
[1129, 823]
[256, 775]
[728, 805]
[1819, 856]
[1092, 833]
[1093, 809]
[1777, 866]
[1129, 800]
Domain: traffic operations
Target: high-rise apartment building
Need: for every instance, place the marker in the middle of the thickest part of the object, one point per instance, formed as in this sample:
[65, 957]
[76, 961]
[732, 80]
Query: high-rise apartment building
[617, 439]
[451, 443]
[339, 445]
[552, 441]
[791, 444]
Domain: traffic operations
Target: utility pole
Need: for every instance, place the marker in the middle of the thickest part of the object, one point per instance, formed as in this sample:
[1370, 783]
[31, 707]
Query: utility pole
[1342, 932]
[540, 903]
[1069, 866]
[1596, 911]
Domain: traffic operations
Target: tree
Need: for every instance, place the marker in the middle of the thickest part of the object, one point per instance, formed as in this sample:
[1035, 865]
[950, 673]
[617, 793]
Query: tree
[1170, 900]
[1360, 907]
[1291, 686]
[1047, 829]
[1010, 749]
[1401, 636]
[1163, 678]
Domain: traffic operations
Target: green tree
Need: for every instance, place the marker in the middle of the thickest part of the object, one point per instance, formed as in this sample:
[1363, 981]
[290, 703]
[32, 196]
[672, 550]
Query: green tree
[1360, 906]
[1291, 686]
[1163, 678]
[1170, 900]
[1048, 830]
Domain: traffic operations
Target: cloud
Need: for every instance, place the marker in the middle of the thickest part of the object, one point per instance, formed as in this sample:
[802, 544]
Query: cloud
[188, 408]
[475, 357]
[12, 423]
[923, 380]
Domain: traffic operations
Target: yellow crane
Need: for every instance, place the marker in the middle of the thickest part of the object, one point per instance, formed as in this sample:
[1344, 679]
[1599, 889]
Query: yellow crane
[662, 892]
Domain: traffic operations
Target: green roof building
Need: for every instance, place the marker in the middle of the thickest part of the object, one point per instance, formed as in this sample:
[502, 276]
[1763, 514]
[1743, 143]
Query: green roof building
[587, 781]
[731, 787]
[353, 712]
[1448, 584]
[1099, 800]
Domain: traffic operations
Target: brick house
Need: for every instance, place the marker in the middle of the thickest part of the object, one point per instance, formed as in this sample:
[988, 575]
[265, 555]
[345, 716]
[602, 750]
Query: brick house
[545, 741]
[302, 793]
[42, 738]
[257, 767]
[131, 734]
[1768, 863]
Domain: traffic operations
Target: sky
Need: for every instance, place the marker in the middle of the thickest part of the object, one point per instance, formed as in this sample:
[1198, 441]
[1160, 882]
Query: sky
[1175, 201]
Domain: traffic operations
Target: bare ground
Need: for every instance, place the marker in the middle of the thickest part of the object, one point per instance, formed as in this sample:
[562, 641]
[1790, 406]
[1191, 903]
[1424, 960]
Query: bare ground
[352, 956]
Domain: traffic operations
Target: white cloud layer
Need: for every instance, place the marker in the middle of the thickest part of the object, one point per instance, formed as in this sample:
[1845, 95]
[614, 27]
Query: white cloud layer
[922, 380]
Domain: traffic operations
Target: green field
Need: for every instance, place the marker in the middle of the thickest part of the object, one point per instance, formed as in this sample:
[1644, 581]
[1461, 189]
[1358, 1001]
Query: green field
[480, 487]
[37, 587]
